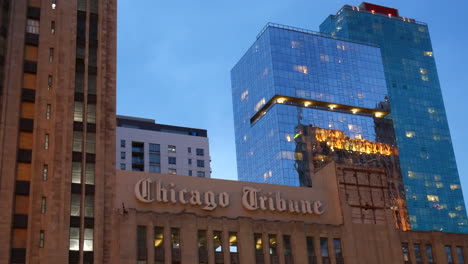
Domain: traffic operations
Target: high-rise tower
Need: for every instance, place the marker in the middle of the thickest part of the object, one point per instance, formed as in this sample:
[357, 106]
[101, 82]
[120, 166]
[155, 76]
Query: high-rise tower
[432, 184]
[57, 130]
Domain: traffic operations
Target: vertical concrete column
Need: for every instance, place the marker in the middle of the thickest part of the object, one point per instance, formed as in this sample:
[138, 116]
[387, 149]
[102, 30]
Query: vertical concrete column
[150, 242]
[167, 243]
[266, 248]
[225, 245]
[455, 255]
[210, 245]
[245, 242]
[298, 243]
[411, 252]
[188, 237]
[280, 246]
[331, 250]
[318, 252]
[438, 249]
[128, 226]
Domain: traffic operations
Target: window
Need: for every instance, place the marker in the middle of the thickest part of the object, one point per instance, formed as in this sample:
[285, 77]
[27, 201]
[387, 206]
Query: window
[172, 171]
[90, 167]
[75, 204]
[405, 251]
[155, 168]
[51, 54]
[200, 152]
[172, 160]
[76, 172]
[78, 112]
[43, 205]
[46, 141]
[417, 253]
[159, 245]
[122, 155]
[233, 242]
[190, 161]
[287, 248]
[338, 250]
[201, 174]
[52, 27]
[258, 243]
[175, 238]
[91, 114]
[430, 257]
[141, 244]
[45, 172]
[49, 82]
[122, 143]
[54, 4]
[74, 238]
[200, 163]
[189, 150]
[41, 239]
[311, 250]
[154, 148]
[171, 149]
[48, 110]
[461, 258]
[32, 26]
[202, 247]
[89, 205]
[448, 252]
[154, 158]
[88, 239]
[122, 166]
[91, 143]
[324, 246]
[217, 241]
[190, 173]
[272, 244]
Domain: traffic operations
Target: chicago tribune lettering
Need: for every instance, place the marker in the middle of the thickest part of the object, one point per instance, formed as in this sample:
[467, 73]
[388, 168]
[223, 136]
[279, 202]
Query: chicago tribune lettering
[148, 191]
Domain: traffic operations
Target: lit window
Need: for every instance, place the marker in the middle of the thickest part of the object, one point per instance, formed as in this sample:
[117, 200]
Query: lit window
[422, 71]
[78, 112]
[51, 54]
[410, 174]
[260, 103]
[437, 177]
[175, 238]
[48, 110]
[32, 26]
[172, 171]
[439, 185]
[410, 134]
[433, 198]
[295, 44]
[405, 251]
[428, 53]
[425, 78]
[45, 172]
[244, 95]
[171, 148]
[91, 143]
[232, 242]
[302, 69]
[454, 186]
[54, 4]
[49, 82]
[217, 242]
[74, 238]
[324, 57]
[88, 239]
[76, 172]
[453, 215]
[91, 114]
[41, 239]
[75, 204]
[431, 110]
[46, 141]
[90, 168]
[89, 205]
[273, 245]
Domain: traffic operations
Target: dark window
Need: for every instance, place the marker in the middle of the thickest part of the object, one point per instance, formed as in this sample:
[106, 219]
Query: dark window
[154, 158]
[288, 259]
[155, 168]
[190, 173]
[20, 221]
[311, 250]
[154, 147]
[122, 166]
[52, 27]
[172, 160]
[190, 161]
[175, 245]
[30, 67]
[26, 125]
[201, 174]
[189, 150]
[28, 95]
[417, 253]
[448, 252]
[338, 251]
[200, 152]
[141, 243]
[202, 247]
[32, 39]
[122, 143]
[24, 155]
[41, 239]
[18, 255]
[200, 163]
[34, 13]
[122, 155]
[461, 258]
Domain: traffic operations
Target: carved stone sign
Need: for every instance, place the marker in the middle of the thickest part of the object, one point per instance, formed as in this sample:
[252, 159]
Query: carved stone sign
[148, 191]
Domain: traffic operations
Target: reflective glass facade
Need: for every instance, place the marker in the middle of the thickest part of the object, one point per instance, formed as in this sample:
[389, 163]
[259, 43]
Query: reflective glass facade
[316, 72]
[432, 184]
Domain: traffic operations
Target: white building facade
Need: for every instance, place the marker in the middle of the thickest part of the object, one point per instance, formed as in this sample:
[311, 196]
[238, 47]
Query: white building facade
[143, 145]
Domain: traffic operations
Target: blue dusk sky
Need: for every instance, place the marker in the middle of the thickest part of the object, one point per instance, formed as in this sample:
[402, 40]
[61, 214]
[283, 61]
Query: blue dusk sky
[174, 60]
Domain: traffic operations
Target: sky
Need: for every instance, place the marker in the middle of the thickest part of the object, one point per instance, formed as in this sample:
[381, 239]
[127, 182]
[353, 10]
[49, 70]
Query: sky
[174, 60]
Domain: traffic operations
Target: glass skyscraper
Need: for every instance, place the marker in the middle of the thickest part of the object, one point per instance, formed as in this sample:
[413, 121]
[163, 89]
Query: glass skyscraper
[291, 78]
[432, 185]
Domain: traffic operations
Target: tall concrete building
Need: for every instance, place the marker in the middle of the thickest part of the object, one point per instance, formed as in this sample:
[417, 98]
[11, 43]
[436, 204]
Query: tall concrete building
[429, 169]
[144, 145]
[57, 130]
